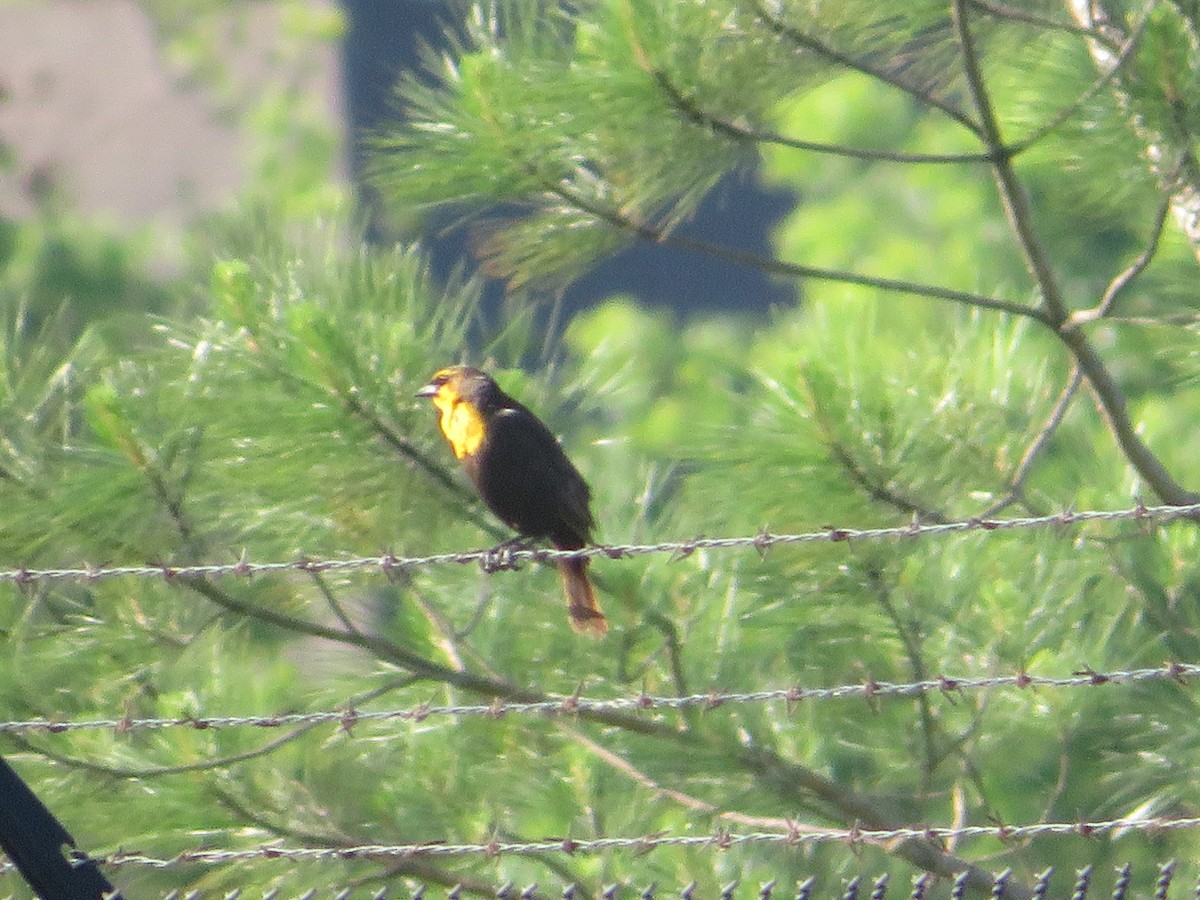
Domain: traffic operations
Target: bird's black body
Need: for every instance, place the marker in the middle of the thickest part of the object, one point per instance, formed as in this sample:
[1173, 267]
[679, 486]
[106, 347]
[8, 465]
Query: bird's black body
[525, 478]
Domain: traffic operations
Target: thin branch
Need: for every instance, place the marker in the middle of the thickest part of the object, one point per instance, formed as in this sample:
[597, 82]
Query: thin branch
[656, 235]
[816, 45]
[881, 492]
[1176, 320]
[687, 801]
[376, 646]
[910, 638]
[671, 643]
[453, 642]
[1112, 404]
[688, 107]
[207, 765]
[1126, 277]
[333, 603]
[150, 465]
[1124, 53]
[694, 804]
[467, 501]
[1000, 11]
[1012, 195]
[1016, 487]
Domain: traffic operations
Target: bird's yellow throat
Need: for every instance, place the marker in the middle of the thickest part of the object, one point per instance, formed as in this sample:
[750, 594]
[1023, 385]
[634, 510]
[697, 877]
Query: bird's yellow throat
[460, 421]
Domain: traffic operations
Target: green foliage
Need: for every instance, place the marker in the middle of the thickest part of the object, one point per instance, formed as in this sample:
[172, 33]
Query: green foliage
[262, 408]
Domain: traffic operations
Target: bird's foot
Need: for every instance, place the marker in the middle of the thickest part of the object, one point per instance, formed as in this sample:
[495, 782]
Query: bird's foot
[502, 557]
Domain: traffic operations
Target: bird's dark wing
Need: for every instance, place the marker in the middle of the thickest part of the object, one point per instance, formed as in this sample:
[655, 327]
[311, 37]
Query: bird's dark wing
[528, 481]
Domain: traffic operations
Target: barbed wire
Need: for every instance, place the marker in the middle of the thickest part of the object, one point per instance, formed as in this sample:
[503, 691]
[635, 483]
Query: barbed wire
[575, 704]
[506, 557]
[797, 834]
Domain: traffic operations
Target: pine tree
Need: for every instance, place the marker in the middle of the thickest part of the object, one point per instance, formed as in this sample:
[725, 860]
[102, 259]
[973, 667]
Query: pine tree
[996, 248]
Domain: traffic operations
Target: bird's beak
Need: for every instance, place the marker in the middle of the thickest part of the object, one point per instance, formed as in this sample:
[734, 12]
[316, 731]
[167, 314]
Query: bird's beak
[428, 390]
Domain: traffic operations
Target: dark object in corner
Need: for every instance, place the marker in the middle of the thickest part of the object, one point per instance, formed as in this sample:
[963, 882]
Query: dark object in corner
[34, 840]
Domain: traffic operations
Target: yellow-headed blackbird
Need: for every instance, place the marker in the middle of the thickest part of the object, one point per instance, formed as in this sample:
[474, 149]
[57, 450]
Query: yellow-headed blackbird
[521, 473]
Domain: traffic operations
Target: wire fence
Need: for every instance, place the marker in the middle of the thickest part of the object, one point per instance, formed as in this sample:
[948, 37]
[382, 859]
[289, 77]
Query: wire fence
[793, 834]
[574, 705]
[796, 835]
[856, 887]
[507, 557]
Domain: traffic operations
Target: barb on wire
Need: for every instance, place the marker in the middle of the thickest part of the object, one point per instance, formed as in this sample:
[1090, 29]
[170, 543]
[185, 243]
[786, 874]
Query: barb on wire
[721, 840]
[573, 705]
[391, 564]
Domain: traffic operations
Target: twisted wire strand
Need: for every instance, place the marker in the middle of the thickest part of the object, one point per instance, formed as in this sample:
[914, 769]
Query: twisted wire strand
[795, 835]
[571, 705]
[763, 541]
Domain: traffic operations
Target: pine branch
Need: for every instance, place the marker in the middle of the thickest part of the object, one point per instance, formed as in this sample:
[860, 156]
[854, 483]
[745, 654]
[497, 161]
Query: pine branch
[1054, 311]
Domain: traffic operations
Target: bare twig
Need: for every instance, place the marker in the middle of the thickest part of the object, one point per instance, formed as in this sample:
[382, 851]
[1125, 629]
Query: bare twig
[467, 502]
[881, 491]
[1113, 406]
[628, 769]
[334, 604]
[1012, 194]
[207, 765]
[689, 107]
[1175, 320]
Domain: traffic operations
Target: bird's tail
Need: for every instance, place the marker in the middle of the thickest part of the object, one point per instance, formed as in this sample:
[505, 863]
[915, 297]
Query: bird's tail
[582, 607]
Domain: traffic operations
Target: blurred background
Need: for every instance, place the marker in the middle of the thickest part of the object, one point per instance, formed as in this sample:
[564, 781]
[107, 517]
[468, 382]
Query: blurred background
[115, 108]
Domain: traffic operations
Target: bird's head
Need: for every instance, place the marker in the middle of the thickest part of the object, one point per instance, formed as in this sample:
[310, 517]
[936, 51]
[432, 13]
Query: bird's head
[455, 383]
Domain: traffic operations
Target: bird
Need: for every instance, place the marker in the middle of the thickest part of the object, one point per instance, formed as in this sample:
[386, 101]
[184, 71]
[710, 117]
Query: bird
[522, 475]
